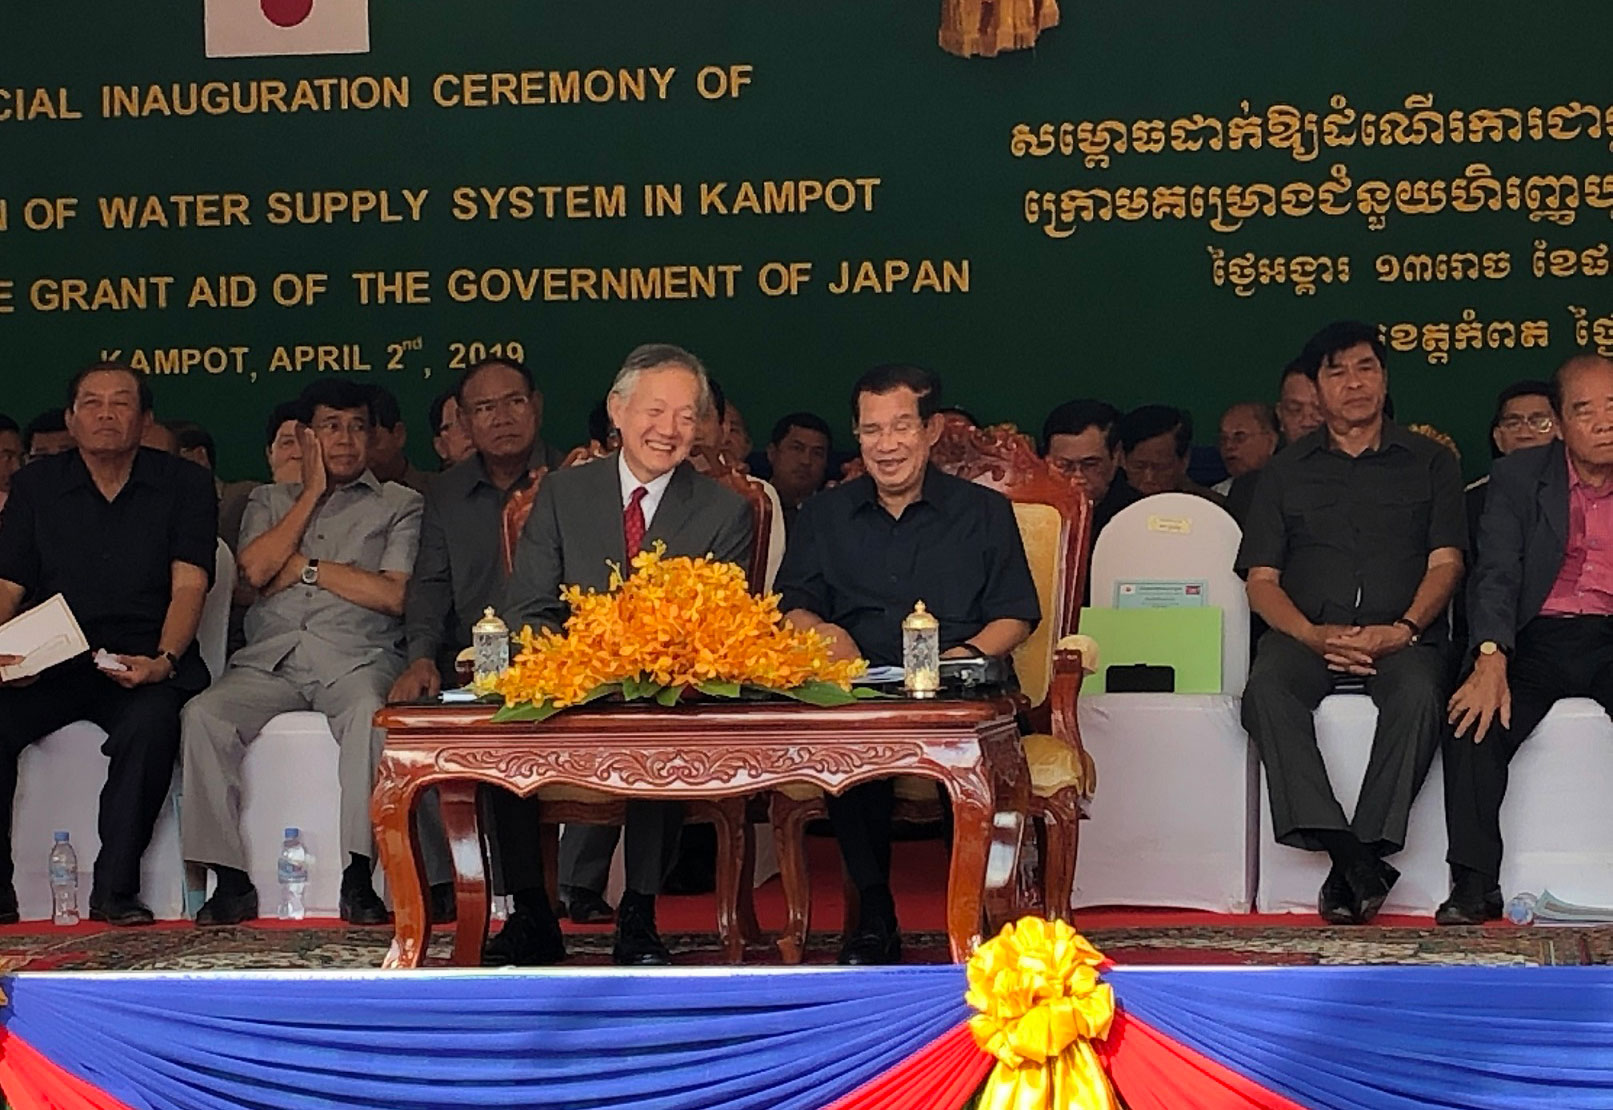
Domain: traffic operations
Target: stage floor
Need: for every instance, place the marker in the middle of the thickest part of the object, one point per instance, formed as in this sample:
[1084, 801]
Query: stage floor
[1129, 936]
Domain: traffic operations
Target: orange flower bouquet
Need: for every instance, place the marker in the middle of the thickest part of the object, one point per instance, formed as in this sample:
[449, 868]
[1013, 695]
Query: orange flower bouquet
[671, 626]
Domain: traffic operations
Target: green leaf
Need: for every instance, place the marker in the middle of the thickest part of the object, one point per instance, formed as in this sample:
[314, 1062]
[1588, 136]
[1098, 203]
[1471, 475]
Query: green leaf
[634, 688]
[824, 695]
[669, 695]
[719, 689]
[525, 711]
[603, 690]
[868, 693]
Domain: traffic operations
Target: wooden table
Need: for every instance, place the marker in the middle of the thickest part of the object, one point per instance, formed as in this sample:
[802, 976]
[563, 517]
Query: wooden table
[712, 750]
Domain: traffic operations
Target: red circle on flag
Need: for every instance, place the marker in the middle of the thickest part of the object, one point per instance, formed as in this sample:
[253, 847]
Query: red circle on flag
[286, 13]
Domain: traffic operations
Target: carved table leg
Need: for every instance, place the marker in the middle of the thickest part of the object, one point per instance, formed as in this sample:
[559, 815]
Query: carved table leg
[966, 877]
[789, 819]
[461, 822]
[732, 832]
[391, 809]
[1004, 758]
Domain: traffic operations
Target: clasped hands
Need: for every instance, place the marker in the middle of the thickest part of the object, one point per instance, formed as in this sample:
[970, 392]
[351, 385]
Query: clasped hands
[1355, 649]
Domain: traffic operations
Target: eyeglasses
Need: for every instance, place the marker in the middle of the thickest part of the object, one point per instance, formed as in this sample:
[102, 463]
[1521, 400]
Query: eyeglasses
[906, 427]
[1517, 422]
[1081, 466]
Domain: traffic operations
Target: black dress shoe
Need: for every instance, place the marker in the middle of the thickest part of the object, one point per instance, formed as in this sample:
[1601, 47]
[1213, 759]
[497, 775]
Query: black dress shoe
[1334, 901]
[587, 907]
[1370, 883]
[874, 943]
[362, 906]
[120, 909]
[1474, 900]
[444, 905]
[528, 939]
[8, 905]
[228, 909]
[637, 943]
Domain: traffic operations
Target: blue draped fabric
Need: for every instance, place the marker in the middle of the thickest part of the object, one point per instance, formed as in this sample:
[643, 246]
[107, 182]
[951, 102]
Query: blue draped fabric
[790, 1040]
[1395, 1038]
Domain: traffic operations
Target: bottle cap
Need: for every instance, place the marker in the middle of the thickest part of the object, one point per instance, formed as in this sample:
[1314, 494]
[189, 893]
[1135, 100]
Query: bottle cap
[292, 832]
[489, 625]
[920, 620]
[60, 836]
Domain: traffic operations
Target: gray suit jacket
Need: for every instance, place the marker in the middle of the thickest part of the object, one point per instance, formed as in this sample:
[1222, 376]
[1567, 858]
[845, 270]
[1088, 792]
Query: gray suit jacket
[1522, 535]
[575, 532]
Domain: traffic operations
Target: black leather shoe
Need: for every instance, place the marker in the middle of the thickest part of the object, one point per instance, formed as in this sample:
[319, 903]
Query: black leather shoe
[1334, 901]
[120, 909]
[1473, 901]
[875, 942]
[444, 906]
[586, 907]
[1370, 884]
[528, 939]
[8, 905]
[637, 942]
[228, 909]
[362, 906]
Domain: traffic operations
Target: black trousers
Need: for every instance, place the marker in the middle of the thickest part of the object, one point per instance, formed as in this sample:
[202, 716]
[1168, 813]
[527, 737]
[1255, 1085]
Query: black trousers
[650, 841]
[1554, 657]
[1286, 684]
[142, 742]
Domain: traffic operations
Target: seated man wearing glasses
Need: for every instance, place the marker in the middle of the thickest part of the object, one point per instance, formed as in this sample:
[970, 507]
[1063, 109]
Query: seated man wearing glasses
[862, 554]
[1083, 438]
[1523, 418]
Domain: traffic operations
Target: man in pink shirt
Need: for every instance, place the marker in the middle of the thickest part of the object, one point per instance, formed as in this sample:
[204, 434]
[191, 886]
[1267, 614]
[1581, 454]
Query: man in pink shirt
[1540, 613]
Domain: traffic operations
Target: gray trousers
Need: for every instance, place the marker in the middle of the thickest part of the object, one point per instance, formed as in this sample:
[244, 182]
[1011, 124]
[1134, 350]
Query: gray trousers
[218, 724]
[1286, 684]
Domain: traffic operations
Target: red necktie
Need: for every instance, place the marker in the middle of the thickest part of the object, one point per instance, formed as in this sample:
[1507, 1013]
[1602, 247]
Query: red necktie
[633, 521]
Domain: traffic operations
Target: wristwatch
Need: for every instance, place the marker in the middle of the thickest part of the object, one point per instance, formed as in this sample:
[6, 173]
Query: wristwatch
[1411, 626]
[310, 573]
[1490, 647]
[173, 662]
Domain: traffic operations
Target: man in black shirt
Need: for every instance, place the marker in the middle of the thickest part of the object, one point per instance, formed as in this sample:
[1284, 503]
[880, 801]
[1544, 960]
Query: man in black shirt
[1083, 438]
[1352, 550]
[128, 535]
[863, 553]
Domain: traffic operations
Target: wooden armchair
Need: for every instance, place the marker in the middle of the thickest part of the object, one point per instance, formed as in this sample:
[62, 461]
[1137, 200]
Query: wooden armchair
[1054, 516]
[736, 912]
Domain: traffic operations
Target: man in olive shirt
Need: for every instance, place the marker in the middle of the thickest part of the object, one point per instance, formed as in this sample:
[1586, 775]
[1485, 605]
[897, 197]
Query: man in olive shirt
[1352, 550]
[330, 558]
[862, 554]
[460, 571]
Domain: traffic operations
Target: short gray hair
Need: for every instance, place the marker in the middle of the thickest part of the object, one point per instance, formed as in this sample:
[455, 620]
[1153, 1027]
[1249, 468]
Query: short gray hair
[653, 356]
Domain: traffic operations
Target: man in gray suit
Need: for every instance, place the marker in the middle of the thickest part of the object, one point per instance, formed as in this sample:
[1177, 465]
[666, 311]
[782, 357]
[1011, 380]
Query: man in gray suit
[583, 520]
[1540, 615]
[330, 557]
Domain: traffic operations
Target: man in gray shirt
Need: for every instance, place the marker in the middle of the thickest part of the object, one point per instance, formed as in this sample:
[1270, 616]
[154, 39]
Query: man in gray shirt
[330, 558]
[461, 569]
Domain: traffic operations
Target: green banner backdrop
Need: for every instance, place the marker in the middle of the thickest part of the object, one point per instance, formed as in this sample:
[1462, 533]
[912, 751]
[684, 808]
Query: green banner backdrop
[1156, 203]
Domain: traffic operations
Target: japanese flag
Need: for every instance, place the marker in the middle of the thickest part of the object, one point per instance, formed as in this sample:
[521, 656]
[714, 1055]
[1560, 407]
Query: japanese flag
[254, 28]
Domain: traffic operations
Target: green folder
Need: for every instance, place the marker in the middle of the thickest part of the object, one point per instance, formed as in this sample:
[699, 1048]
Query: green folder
[1187, 639]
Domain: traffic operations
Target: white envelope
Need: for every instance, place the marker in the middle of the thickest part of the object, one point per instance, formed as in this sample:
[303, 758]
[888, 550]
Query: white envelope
[44, 636]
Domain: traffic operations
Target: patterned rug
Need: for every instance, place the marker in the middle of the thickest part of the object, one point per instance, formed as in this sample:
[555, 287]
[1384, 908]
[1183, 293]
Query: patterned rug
[185, 948]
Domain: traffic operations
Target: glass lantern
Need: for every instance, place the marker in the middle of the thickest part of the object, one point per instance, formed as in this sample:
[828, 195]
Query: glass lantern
[921, 653]
[490, 641]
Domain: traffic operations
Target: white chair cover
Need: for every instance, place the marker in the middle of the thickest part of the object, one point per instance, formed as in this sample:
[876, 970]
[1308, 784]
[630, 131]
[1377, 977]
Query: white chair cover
[1556, 823]
[59, 782]
[1172, 822]
[1174, 536]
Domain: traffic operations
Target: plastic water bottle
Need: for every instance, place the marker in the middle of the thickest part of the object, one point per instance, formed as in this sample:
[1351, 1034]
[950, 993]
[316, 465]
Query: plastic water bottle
[293, 871]
[1521, 909]
[63, 881]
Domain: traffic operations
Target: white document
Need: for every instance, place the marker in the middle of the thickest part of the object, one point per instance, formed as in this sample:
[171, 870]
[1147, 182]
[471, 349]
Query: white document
[44, 636]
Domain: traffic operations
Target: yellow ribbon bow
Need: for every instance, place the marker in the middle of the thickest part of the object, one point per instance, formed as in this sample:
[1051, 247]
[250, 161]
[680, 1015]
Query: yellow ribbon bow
[1041, 1005]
